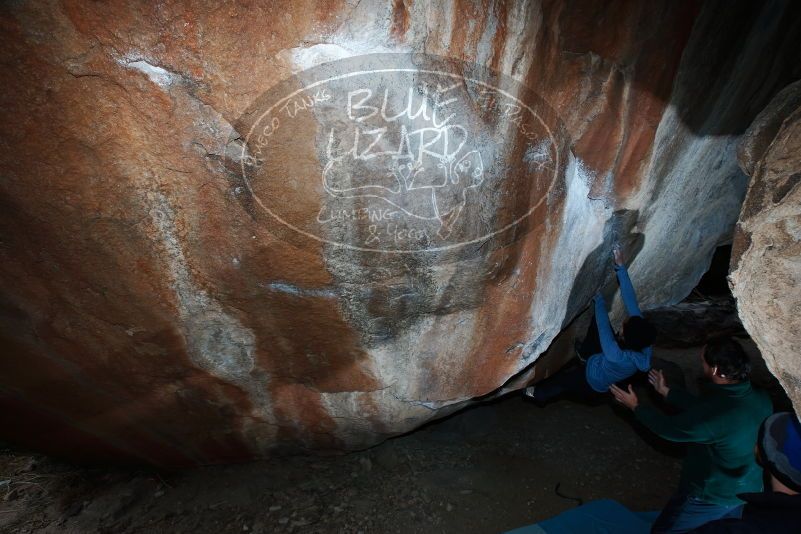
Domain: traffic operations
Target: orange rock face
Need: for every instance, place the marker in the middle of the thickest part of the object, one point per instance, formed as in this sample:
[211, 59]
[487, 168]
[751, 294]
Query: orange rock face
[176, 290]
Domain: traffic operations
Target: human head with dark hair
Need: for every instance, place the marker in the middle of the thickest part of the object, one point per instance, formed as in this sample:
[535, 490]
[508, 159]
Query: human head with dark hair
[638, 333]
[725, 358]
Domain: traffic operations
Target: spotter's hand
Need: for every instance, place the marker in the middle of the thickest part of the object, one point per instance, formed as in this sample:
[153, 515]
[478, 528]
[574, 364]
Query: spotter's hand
[626, 398]
[657, 379]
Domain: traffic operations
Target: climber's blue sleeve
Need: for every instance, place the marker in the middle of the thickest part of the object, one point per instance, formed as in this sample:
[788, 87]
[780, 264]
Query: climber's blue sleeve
[609, 344]
[627, 291]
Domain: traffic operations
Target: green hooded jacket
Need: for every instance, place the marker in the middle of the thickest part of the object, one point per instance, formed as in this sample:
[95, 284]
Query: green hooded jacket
[720, 428]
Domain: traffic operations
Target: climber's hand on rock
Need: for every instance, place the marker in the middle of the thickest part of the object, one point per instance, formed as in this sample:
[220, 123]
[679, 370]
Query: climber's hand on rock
[657, 379]
[626, 398]
[617, 253]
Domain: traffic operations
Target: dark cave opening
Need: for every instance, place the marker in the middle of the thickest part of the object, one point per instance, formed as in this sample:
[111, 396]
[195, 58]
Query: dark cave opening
[714, 282]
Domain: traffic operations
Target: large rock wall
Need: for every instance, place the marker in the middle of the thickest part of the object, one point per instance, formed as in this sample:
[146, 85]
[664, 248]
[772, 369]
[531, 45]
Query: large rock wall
[151, 308]
[766, 262]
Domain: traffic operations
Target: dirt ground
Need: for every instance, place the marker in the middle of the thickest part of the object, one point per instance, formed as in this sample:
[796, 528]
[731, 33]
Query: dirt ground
[484, 470]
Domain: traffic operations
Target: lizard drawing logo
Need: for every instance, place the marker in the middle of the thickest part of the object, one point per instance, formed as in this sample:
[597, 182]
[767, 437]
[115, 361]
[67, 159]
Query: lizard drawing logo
[403, 154]
[427, 177]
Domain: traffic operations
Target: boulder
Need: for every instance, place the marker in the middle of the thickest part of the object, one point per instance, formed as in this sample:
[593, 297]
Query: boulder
[766, 262]
[240, 229]
[694, 322]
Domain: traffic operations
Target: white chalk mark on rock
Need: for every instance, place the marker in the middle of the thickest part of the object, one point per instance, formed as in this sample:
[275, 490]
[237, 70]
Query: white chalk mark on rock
[536, 157]
[159, 76]
[217, 341]
[581, 230]
[284, 287]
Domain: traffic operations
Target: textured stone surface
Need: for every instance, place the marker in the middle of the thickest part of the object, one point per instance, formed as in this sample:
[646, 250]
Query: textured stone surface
[693, 323]
[766, 262]
[763, 130]
[150, 310]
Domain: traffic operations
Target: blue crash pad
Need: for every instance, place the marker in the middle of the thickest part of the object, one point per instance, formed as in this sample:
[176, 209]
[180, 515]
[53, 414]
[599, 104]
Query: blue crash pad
[598, 517]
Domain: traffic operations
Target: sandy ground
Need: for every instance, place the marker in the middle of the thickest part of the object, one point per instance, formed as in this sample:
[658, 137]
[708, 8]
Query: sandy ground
[484, 470]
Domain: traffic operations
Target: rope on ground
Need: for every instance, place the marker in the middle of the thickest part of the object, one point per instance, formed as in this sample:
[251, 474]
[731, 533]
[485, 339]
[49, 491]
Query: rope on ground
[578, 500]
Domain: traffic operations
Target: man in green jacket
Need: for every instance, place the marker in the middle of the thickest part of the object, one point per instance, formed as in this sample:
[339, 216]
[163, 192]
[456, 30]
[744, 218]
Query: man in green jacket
[720, 428]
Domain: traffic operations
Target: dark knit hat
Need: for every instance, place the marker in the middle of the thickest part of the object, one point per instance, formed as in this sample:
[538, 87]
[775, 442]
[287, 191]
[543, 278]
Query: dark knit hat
[780, 448]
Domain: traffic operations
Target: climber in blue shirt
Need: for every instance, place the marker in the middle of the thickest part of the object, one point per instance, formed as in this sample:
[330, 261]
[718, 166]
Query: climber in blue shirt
[605, 358]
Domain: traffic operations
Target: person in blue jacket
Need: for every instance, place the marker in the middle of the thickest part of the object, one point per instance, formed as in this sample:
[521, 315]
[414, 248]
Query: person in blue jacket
[606, 358]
